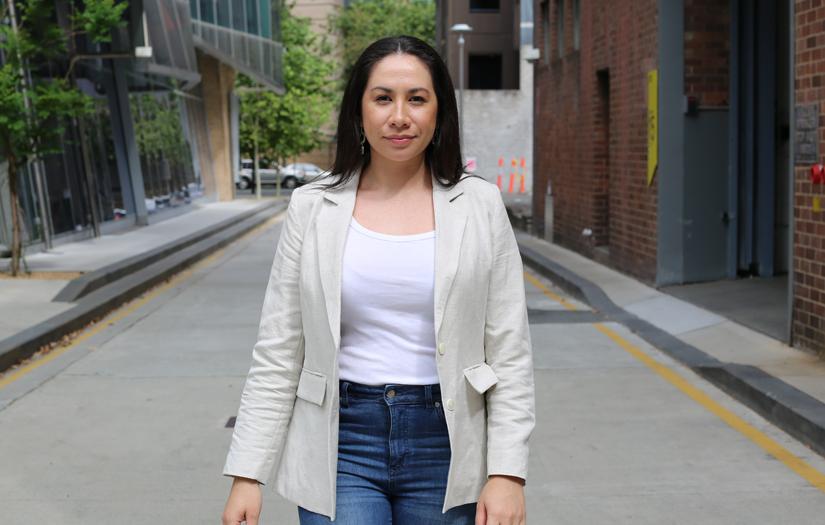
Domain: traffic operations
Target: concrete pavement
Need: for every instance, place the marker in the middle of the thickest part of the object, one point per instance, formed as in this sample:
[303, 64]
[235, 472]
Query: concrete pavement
[77, 282]
[784, 384]
[129, 424]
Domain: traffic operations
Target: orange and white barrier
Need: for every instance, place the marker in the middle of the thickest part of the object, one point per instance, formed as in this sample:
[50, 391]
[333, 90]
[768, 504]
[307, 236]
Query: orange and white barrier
[518, 171]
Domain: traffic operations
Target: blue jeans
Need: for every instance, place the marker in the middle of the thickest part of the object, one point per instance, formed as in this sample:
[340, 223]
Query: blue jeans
[393, 459]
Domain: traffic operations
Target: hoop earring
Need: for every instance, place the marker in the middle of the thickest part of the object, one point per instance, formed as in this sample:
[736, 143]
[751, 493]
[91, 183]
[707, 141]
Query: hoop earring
[363, 139]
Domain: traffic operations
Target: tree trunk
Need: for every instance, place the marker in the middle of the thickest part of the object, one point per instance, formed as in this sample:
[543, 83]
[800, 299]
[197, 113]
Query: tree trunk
[255, 173]
[16, 240]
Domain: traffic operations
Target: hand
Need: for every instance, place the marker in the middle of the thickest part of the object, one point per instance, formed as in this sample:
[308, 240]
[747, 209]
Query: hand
[244, 503]
[501, 502]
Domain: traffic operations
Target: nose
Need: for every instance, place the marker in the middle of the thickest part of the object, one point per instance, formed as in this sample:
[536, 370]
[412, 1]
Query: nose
[399, 117]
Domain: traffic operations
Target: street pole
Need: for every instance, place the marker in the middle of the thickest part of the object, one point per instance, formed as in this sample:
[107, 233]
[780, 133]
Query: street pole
[461, 91]
[461, 29]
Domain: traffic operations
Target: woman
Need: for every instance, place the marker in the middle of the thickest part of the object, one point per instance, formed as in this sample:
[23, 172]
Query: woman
[392, 379]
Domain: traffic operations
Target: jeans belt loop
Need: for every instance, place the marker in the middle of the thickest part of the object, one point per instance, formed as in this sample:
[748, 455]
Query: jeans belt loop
[344, 397]
[428, 393]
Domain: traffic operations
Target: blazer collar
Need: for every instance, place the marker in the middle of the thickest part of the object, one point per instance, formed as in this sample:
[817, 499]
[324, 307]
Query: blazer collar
[333, 223]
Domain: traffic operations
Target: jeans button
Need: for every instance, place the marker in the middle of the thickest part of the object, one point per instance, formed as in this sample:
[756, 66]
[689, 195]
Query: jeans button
[391, 393]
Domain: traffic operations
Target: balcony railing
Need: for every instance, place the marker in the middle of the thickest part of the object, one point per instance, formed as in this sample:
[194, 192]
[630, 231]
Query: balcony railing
[258, 57]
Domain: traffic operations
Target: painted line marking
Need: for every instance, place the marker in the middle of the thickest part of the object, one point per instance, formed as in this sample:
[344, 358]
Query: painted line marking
[549, 293]
[793, 462]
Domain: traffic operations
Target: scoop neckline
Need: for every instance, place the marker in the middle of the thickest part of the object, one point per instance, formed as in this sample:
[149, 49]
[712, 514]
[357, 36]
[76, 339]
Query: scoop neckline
[391, 236]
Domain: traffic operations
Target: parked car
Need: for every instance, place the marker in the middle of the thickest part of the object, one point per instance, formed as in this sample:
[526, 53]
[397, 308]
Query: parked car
[299, 173]
[245, 179]
[291, 175]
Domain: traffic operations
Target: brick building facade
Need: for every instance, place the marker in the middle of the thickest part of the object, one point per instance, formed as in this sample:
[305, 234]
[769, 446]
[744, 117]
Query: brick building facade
[740, 86]
[590, 127]
[808, 324]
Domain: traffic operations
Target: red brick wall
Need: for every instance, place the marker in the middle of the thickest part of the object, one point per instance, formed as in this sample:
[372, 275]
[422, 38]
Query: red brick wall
[808, 321]
[707, 51]
[620, 36]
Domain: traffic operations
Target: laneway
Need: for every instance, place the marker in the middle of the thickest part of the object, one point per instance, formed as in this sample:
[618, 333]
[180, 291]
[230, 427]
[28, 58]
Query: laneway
[129, 425]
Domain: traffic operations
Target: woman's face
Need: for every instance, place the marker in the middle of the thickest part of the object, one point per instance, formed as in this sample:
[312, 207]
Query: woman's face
[399, 108]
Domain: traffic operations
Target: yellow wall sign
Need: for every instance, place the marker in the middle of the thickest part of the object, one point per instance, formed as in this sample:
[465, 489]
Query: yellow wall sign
[652, 124]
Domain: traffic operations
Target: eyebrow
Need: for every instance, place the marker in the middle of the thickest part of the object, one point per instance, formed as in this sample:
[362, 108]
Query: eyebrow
[388, 90]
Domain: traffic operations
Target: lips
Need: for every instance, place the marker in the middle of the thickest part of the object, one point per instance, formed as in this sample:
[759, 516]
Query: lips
[400, 139]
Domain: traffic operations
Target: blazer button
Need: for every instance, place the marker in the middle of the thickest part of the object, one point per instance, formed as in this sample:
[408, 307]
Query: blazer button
[441, 348]
[450, 404]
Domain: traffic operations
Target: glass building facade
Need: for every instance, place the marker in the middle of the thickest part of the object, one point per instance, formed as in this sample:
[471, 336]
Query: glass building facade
[145, 147]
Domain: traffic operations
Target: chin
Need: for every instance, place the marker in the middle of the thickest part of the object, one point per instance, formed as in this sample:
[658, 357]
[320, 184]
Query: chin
[400, 156]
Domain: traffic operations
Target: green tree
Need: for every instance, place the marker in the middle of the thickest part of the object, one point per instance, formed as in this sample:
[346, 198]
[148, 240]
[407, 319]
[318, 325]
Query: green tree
[158, 133]
[34, 107]
[365, 21]
[288, 124]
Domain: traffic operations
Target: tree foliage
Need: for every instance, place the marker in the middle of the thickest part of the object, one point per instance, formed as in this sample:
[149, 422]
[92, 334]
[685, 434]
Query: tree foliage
[35, 106]
[99, 17]
[365, 21]
[158, 131]
[289, 124]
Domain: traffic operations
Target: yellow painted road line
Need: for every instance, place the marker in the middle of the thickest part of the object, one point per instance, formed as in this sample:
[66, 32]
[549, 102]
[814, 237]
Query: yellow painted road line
[556, 297]
[793, 462]
[130, 307]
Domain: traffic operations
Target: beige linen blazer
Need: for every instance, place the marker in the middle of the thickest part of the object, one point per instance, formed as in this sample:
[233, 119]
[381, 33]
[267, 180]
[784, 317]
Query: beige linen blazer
[288, 415]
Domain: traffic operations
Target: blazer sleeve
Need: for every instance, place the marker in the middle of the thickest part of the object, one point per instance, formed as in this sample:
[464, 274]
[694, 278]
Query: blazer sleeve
[268, 395]
[508, 350]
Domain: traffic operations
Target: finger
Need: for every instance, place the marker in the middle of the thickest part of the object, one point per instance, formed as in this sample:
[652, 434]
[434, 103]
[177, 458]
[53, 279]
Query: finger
[481, 514]
[226, 520]
[251, 520]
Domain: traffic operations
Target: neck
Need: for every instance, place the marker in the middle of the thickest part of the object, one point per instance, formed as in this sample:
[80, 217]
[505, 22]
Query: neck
[385, 175]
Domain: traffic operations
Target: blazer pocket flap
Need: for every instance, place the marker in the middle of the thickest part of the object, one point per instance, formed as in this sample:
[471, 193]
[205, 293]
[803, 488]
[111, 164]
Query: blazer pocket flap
[312, 386]
[481, 377]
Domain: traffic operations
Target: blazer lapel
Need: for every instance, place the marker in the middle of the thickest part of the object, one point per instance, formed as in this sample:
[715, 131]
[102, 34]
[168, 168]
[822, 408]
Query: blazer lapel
[331, 229]
[450, 219]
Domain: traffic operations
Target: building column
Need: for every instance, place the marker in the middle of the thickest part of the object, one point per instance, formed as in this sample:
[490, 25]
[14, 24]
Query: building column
[670, 178]
[217, 81]
[126, 150]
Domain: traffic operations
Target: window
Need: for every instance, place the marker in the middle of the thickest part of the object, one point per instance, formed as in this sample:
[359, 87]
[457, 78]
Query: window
[545, 30]
[238, 15]
[576, 23]
[485, 71]
[207, 11]
[223, 14]
[560, 27]
[252, 17]
[484, 5]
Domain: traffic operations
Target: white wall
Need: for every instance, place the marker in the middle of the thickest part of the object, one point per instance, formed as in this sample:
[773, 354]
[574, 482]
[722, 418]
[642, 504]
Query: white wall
[499, 123]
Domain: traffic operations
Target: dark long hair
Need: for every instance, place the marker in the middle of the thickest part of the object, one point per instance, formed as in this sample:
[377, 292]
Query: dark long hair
[443, 158]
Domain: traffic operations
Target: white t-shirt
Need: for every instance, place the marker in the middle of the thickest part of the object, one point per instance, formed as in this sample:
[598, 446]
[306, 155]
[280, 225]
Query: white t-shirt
[387, 322]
